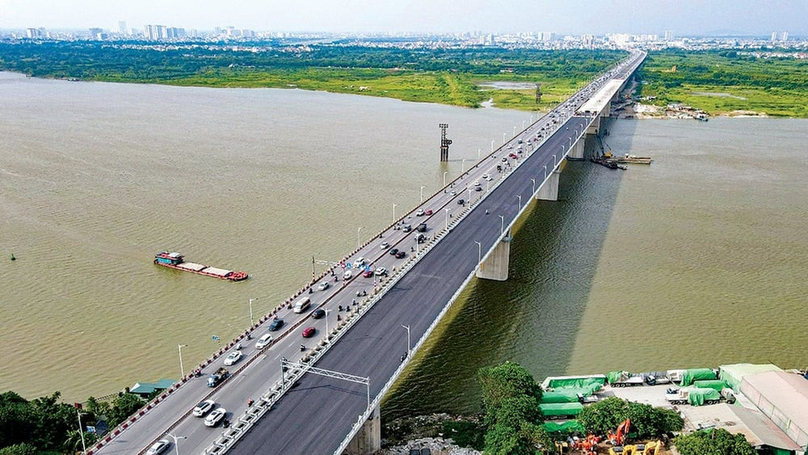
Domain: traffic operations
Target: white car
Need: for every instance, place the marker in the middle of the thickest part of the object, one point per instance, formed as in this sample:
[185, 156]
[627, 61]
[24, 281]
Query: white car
[359, 262]
[214, 417]
[263, 341]
[323, 286]
[203, 408]
[234, 357]
[486, 176]
[384, 245]
[347, 275]
[420, 212]
[158, 447]
[381, 271]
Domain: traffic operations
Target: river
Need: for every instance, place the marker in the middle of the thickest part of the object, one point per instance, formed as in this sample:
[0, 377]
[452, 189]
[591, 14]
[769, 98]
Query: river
[693, 261]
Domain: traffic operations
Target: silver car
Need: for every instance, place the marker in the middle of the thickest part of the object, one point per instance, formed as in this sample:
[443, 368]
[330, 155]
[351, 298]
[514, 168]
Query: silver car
[158, 447]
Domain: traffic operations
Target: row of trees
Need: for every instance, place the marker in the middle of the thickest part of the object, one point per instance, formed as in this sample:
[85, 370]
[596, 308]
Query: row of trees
[135, 61]
[46, 424]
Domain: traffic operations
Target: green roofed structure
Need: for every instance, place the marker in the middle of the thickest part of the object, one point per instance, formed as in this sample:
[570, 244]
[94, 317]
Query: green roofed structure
[144, 389]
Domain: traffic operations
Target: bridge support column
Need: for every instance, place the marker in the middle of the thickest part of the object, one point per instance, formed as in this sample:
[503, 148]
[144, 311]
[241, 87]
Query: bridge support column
[549, 191]
[577, 150]
[495, 266]
[369, 438]
[606, 109]
[594, 128]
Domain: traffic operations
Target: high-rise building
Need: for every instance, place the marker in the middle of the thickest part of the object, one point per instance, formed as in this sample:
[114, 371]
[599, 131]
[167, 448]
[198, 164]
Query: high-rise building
[35, 32]
[122, 28]
[785, 36]
[774, 36]
[669, 35]
[96, 33]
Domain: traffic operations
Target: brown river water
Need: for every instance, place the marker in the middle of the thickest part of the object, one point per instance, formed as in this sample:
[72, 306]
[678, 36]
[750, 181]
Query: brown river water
[695, 260]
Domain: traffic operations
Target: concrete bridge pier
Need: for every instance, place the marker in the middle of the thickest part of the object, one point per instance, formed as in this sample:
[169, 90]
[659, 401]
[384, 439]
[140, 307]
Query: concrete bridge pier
[495, 266]
[594, 128]
[577, 150]
[369, 438]
[549, 191]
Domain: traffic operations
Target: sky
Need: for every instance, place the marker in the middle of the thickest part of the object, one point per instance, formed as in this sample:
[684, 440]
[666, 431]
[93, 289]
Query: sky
[683, 17]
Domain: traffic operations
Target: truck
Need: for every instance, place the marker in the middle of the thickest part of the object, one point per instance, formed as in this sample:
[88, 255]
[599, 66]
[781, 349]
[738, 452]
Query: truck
[216, 378]
[697, 397]
[625, 379]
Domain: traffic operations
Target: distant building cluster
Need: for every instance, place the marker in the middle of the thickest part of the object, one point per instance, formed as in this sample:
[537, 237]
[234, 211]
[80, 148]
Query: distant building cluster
[779, 36]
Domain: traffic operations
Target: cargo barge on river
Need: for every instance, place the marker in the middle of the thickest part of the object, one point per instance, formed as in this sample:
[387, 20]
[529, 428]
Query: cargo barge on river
[177, 261]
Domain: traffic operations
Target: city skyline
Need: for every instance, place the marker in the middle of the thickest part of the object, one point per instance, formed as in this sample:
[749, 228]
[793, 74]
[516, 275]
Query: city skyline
[685, 17]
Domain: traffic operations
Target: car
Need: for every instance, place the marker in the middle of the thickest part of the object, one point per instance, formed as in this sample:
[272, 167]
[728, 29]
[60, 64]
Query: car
[347, 275]
[420, 238]
[263, 341]
[477, 188]
[232, 358]
[453, 193]
[461, 201]
[359, 262]
[393, 251]
[323, 286]
[400, 254]
[486, 176]
[505, 160]
[407, 228]
[318, 313]
[276, 324]
[367, 273]
[420, 212]
[384, 245]
[421, 227]
[158, 447]
[309, 332]
[203, 408]
[214, 417]
[381, 271]
[428, 212]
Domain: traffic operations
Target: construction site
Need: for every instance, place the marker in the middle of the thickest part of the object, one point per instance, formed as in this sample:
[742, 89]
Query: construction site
[764, 403]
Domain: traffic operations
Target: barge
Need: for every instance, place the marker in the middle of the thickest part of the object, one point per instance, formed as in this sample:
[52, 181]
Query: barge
[177, 261]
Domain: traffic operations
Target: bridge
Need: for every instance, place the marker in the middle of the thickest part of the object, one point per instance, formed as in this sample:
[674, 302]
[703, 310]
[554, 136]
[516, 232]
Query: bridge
[323, 396]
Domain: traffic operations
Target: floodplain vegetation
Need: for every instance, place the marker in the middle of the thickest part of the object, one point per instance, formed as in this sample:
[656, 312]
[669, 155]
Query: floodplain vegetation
[727, 82]
[459, 77]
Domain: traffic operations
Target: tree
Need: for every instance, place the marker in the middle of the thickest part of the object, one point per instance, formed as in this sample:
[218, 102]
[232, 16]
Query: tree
[122, 407]
[646, 421]
[506, 380]
[19, 449]
[713, 442]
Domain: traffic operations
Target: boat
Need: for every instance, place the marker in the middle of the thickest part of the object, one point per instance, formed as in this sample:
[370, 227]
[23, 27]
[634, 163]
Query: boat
[177, 261]
[634, 159]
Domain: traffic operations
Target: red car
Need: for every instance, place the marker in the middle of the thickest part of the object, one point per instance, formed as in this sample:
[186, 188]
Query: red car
[367, 273]
[309, 332]
[428, 212]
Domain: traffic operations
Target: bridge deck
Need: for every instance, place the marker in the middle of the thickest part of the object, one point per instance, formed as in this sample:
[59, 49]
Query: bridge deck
[603, 97]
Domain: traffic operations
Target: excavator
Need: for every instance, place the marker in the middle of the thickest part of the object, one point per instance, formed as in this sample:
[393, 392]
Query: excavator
[619, 437]
[651, 448]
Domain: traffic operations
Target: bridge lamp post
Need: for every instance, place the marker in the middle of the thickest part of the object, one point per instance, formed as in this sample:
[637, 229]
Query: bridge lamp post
[479, 151]
[554, 162]
[479, 252]
[504, 135]
[514, 130]
[409, 349]
[357, 237]
[463, 165]
[444, 177]
[545, 172]
[534, 185]
[502, 226]
[422, 193]
[394, 205]
[327, 333]
[447, 217]
[81, 431]
[469, 190]
[531, 118]
[492, 146]
[182, 370]
[520, 201]
[175, 438]
[252, 322]
[523, 124]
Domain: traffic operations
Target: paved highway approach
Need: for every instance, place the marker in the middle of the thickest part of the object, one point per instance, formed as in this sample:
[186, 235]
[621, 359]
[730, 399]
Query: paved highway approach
[316, 415]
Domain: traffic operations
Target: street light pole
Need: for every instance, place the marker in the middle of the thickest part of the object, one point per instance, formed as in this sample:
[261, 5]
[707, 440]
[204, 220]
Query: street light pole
[251, 314]
[357, 237]
[81, 432]
[492, 145]
[479, 252]
[504, 135]
[327, 333]
[447, 217]
[479, 151]
[409, 344]
[534, 185]
[394, 212]
[554, 162]
[520, 201]
[176, 446]
[182, 370]
[502, 227]
[422, 193]
[444, 177]
[545, 172]
[463, 165]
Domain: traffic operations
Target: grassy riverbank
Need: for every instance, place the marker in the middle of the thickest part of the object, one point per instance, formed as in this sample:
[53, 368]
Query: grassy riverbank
[447, 76]
[727, 82]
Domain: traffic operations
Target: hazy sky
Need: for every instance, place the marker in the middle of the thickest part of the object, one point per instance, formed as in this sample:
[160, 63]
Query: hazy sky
[560, 16]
